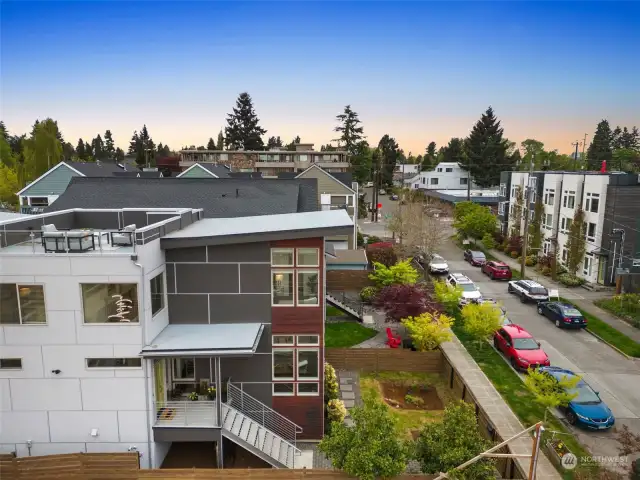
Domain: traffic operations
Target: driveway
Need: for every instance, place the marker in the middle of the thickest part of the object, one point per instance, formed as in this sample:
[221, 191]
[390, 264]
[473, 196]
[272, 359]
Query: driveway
[614, 376]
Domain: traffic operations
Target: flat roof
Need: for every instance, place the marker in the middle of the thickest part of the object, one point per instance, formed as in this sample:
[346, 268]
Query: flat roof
[349, 257]
[205, 340]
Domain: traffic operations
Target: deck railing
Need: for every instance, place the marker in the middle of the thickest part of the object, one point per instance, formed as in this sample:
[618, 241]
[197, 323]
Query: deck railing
[199, 413]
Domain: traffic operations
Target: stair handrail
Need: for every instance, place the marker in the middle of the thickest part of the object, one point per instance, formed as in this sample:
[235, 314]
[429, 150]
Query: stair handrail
[355, 305]
[262, 414]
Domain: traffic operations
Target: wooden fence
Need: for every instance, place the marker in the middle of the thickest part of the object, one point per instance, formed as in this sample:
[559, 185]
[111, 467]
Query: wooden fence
[348, 280]
[124, 466]
[370, 360]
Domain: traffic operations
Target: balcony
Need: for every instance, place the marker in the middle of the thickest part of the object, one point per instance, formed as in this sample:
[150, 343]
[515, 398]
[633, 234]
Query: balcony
[32, 210]
[196, 414]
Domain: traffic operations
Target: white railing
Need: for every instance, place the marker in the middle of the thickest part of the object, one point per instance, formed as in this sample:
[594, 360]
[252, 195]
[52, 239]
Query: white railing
[66, 241]
[260, 413]
[199, 413]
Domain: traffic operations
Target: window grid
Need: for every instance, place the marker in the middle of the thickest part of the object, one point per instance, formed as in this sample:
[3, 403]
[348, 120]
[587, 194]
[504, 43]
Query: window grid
[22, 304]
[290, 386]
[298, 271]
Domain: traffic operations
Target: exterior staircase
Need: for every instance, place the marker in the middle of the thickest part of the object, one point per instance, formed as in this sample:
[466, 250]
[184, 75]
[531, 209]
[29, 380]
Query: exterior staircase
[259, 429]
[349, 306]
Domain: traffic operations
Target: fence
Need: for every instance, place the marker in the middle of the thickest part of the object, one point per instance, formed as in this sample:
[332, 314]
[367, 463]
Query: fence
[124, 466]
[384, 359]
[348, 280]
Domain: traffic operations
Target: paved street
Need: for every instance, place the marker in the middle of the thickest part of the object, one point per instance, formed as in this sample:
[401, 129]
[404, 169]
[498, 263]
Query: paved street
[615, 377]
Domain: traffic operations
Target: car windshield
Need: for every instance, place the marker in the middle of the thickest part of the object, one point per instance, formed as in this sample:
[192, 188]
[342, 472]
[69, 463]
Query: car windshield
[477, 254]
[538, 291]
[571, 312]
[437, 259]
[501, 267]
[525, 344]
[468, 287]
[586, 395]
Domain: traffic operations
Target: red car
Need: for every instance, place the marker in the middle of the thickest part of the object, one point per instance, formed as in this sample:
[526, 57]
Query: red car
[520, 348]
[497, 270]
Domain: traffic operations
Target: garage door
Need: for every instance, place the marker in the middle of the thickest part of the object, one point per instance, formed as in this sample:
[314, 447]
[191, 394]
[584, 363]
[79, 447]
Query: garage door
[339, 244]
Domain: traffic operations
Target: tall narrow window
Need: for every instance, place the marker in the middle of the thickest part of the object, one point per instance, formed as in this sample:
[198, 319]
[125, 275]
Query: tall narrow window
[184, 369]
[282, 287]
[308, 288]
[157, 293]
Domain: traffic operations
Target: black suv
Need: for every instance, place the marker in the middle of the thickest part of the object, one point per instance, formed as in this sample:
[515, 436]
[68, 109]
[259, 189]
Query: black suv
[528, 291]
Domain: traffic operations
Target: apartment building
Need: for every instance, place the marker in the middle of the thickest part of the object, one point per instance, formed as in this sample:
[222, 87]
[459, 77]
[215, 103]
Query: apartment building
[272, 162]
[609, 201]
[138, 328]
[445, 176]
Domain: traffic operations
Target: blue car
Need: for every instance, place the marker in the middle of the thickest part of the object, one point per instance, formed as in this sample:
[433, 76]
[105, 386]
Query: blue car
[562, 314]
[587, 409]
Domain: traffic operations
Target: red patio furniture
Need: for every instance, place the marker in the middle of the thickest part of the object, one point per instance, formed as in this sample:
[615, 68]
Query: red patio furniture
[394, 341]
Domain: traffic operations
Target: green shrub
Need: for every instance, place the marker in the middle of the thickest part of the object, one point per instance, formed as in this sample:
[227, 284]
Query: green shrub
[488, 241]
[562, 269]
[373, 239]
[570, 280]
[546, 271]
[367, 294]
[331, 388]
[413, 400]
[336, 411]
[626, 306]
[531, 260]
[514, 254]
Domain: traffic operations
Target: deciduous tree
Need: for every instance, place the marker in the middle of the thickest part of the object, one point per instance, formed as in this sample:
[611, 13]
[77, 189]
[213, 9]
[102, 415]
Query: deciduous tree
[43, 149]
[8, 185]
[447, 295]
[402, 301]
[549, 392]
[370, 448]
[243, 130]
[576, 244]
[480, 321]
[428, 330]
[402, 273]
[475, 221]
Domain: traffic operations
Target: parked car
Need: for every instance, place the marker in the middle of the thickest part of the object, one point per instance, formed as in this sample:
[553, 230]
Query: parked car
[587, 408]
[520, 348]
[528, 291]
[564, 315]
[382, 191]
[503, 318]
[394, 197]
[470, 292]
[474, 257]
[437, 264]
[368, 185]
[497, 270]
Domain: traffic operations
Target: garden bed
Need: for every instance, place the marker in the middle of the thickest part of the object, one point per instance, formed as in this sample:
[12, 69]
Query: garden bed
[413, 399]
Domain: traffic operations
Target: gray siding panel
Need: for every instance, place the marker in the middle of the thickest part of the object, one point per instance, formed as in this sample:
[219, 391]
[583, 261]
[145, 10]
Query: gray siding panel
[207, 278]
[135, 217]
[193, 309]
[240, 308]
[255, 278]
[177, 434]
[249, 252]
[171, 282]
[98, 220]
[194, 254]
[53, 184]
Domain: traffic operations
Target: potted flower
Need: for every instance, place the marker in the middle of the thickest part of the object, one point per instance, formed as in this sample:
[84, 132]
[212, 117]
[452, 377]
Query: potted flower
[557, 450]
[193, 396]
[211, 392]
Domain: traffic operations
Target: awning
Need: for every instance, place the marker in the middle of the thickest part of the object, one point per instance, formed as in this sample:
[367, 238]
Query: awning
[205, 340]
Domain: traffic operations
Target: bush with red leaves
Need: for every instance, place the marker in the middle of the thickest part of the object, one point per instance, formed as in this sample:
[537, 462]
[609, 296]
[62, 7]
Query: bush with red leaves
[402, 301]
[385, 255]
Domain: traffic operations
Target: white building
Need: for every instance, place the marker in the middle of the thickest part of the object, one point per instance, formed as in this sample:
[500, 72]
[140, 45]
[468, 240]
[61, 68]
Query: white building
[445, 176]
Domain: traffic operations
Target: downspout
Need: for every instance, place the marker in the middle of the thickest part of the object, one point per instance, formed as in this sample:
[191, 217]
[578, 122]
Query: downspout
[145, 369]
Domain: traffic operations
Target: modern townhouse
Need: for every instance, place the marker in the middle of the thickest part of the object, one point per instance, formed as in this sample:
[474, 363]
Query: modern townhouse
[139, 328]
[445, 176]
[611, 222]
[272, 162]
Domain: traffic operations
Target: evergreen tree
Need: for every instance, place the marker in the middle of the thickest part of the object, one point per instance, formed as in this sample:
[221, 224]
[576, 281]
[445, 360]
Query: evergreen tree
[142, 147]
[242, 130]
[389, 155]
[211, 145]
[486, 151]
[350, 129]
[220, 144]
[109, 147]
[119, 155]
[82, 155]
[164, 150]
[454, 152]
[600, 148]
[328, 148]
[429, 159]
[616, 138]
[3, 131]
[291, 147]
[68, 152]
[88, 152]
[97, 145]
[274, 142]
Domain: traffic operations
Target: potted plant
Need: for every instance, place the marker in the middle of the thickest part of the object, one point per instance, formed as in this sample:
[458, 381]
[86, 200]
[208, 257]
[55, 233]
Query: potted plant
[193, 396]
[211, 393]
[557, 450]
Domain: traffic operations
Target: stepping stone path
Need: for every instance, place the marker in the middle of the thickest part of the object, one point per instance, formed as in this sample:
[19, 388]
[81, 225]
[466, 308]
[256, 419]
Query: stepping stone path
[349, 392]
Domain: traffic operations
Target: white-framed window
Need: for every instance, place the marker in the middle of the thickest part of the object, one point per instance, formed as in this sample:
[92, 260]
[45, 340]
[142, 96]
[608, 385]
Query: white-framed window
[439, 169]
[590, 231]
[10, 364]
[448, 169]
[514, 191]
[133, 362]
[183, 369]
[308, 288]
[284, 364]
[22, 304]
[282, 288]
[283, 389]
[109, 303]
[282, 340]
[501, 208]
[548, 221]
[308, 389]
[532, 214]
[282, 257]
[308, 364]
[303, 158]
[423, 181]
[308, 257]
[308, 340]
[569, 199]
[592, 202]
[565, 224]
[156, 286]
[564, 256]
[533, 182]
[296, 370]
[586, 267]
[503, 190]
[549, 196]
[546, 247]
[434, 181]
[464, 181]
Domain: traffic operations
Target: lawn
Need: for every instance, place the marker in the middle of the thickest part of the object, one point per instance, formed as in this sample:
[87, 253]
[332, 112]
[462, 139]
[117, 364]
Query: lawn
[392, 388]
[334, 311]
[514, 392]
[626, 307]
[346, 334]
[609, 334]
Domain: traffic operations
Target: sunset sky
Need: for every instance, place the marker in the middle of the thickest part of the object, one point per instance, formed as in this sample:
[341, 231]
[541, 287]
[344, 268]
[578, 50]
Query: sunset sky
[418, 71]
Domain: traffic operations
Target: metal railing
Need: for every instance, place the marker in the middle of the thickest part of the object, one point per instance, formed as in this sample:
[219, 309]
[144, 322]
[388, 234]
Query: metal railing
[32, 210]
[199, 413]
[260, 413]
[67, 241]
[342, 298]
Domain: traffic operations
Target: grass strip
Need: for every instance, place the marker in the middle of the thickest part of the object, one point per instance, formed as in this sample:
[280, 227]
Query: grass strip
[608, 333]
[346, 334]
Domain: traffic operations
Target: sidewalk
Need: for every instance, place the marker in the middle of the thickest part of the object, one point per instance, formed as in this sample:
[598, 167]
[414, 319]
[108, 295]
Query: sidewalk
[579, 296]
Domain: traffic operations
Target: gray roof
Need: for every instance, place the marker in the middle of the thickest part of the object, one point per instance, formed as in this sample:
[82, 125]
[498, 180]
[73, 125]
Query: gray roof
[12, 215]
[346, 178]
[245, 174]
[484, 200]
[221, 171]
[137, 173]
[96, 169]
[219, 197]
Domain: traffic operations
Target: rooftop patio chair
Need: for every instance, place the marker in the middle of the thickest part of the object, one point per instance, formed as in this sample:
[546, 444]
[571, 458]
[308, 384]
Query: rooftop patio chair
[124, 236]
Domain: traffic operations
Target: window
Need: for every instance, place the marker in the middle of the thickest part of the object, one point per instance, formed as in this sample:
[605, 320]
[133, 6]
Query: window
[307, 389]
[302, 158]
[283, 364]
[501, 208]
[569, 200]
[39, 201]
[514, 191]
[546, 247]
[503, 190]
[565, 224]
[592, 202]
[308, 364]
[283, 389]
[308, 257]
[434, 181]
[448, 169]
[114, 362]
[549, 197]
[439, 170]
[464, 181]
[281, 288]
[10, 364]
[282, 339]
[308, 288]
[22, 304]
[586, 268]
[184, 369]
[423, 180]
[564, 256]
[157, 293]
[308, 340]
[590, 231]
[110, 302]
[282, 257]
[548, 221]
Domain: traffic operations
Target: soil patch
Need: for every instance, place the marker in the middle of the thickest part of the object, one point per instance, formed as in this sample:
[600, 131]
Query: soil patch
[410, 397]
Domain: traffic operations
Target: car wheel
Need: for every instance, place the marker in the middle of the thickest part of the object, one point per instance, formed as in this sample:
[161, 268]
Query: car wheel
[523, 299]
[492, 276]
[540, 310]
[509, 289]
[514, 364]
[571, 417]
[495, 343]
[558, 323]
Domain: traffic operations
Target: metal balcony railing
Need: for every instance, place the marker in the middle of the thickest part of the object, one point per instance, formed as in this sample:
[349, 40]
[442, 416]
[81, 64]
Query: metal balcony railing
[200, 413]
[260, 413]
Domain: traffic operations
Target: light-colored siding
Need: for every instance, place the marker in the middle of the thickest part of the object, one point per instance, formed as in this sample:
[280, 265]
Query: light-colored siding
[53, 184]
[197, 172]
[326, 183]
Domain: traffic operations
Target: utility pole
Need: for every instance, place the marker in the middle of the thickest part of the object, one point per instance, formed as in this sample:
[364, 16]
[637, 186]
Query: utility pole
[527, 206]
[584, 145]
[575, 158]
[400, 200]
[468, 180]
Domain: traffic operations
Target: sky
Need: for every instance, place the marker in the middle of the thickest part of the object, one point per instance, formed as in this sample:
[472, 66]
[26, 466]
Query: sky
[418, 71]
